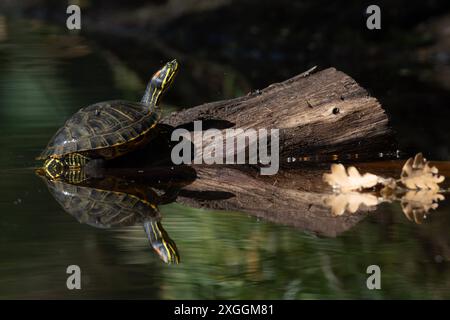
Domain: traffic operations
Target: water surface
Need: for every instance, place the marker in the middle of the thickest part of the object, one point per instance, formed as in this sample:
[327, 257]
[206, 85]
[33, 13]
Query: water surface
[45, 76]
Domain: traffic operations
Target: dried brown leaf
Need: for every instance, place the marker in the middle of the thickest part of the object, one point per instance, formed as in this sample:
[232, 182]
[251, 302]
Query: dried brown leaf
[417, 174]
[417, 203]
[350, 179]
[349, 202]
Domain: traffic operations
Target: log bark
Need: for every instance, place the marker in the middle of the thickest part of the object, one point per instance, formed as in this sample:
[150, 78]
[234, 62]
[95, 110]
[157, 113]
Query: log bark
[319, 116]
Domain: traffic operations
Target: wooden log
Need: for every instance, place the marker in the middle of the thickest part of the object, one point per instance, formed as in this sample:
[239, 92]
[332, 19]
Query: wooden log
[319, 115]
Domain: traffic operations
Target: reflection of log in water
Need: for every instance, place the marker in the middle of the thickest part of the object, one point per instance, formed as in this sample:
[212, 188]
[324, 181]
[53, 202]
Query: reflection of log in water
[292, 197]
[298, 196]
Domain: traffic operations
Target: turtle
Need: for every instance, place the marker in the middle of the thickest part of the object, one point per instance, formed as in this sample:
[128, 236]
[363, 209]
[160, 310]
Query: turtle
[114, 202]
[108, 129]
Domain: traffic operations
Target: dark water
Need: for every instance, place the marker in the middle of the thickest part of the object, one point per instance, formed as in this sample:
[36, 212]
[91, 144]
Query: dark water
[45, 76]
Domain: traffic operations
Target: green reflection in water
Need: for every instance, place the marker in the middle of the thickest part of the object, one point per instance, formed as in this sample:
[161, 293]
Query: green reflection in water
[43, 79]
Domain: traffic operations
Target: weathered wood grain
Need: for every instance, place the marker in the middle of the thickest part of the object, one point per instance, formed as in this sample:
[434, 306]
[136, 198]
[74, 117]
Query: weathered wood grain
[319, 115]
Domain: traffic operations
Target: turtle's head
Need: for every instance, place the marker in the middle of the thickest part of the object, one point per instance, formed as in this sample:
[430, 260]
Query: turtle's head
[53, 168]
[159, 83]
[161, 243]
[163, 78]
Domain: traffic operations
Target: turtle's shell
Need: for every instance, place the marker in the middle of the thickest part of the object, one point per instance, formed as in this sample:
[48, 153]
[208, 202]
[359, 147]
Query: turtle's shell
[105, 129]
[102, 208]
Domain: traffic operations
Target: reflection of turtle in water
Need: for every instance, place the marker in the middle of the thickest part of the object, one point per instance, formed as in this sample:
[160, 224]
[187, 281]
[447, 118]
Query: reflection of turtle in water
[106, 130]
[111, 202]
